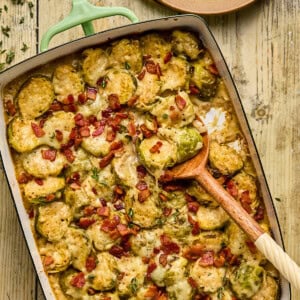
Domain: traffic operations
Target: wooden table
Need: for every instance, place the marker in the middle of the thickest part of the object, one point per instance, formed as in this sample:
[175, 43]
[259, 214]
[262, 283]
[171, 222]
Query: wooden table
[261, 46]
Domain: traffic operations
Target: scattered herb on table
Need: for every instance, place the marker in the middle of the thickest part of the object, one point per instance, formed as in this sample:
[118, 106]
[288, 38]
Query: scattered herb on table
[10, 55]
[30, 5]
[18, 2]
[22, 20]
[5, 8]
[278, 199]
[24, 48]
[5, 30]
[2, 65]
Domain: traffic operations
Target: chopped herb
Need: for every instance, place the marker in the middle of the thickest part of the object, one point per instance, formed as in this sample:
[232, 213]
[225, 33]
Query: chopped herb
[18, 2]
[104, 184]
[133, 285]
[24, 48]
[5, 8]
[95, 174]
[30, 5]
[127, 65]
[1, 43]
[22, 20]
[130, 213]
[0, 12]
[10, 57]
[220, 293]
[165, 116]
[2, 66]
[5, 30]
[91, 277]
[278, 199]
[2, 51]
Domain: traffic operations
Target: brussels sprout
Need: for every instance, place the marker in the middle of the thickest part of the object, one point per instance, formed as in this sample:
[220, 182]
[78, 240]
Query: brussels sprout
[211, 218]
[119, 83]
[67, 81]
[203, 79]
[81, 164]
[52, 220]
[134, 271]
[102, 241]
[79, 246]
[169, 113]
[70, 289]
[144, 213]
[209, 279]
[213, 240]
[94, 64]
[143, 243]
[126, 53]
[104, 276]
[56, 257]
[246, 280]
[186, 43]
[76, 199]
[175, 75]
[222, 294]
[180, 290]
[224, 158]
[37, 193]
[174, 199]
[36, 165]
[35, 97]
[21, 136]
[268, 290]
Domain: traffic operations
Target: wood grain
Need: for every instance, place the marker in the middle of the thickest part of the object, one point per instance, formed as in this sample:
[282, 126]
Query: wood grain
[261, 46]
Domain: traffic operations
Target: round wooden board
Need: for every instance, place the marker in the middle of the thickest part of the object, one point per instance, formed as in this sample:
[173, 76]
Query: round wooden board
[206, 7]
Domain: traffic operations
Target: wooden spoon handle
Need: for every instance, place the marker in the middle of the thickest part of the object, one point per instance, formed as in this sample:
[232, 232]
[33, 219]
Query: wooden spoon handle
[230, 205]
[283, 263]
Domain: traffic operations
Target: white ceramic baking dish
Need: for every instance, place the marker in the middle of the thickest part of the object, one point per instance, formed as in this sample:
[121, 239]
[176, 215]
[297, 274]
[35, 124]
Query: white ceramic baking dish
[189, 22]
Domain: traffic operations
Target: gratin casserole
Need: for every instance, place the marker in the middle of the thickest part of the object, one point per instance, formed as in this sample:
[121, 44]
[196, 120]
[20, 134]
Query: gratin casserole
[91, 134]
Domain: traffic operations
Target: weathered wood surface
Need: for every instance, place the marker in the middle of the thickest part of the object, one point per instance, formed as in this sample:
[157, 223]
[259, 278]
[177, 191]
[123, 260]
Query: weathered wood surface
[261, 46]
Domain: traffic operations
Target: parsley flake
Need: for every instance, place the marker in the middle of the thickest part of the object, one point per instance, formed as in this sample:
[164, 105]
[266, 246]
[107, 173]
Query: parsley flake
[133, 285]
[5, 30]
[24, 48]
[22, 20]
[10, 56]
[2, 66]
[95, 174]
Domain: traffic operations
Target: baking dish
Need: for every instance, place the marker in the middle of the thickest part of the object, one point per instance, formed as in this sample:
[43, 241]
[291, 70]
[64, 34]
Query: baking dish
[189, 22]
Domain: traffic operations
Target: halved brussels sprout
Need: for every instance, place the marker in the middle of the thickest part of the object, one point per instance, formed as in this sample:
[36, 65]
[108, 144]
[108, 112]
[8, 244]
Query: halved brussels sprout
[104, 276]
[76, 199]
[169, 113]
[186, 43]
[36, 165]
[268, 290]
[56, 257]
[180, 290]
[94, 64]
[213, 240]
[21, 136]
[79, 246]
[52, 220]
[134, 271]
[35, 97]
[37, 193]
[211, 218]
[92, 107]
[120, 83]
[67, 81]
[209, 278]
[81, 164]
[224, 158]
[246, 280]
[126, 54]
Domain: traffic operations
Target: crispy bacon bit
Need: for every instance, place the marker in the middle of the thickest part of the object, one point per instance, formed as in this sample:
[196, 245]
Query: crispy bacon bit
[232, 188]
[39, 181]
[141, 75]
[163, 259]
[89, 210]
[141, 185]
[146, 57]
[49, 154]
[193, 206]
[75, 186]
[167, 211]
[152, 292]
[31, 213]
[172, 187]
[230, 258]
[68, 153]
[155, 148]
[82, 98]
[90, 263]
[92, 292]
[105, 161]
[168, 57]
[48, 260]
[194, 90]
[79, 119]
[151, 267]
[141, 171]
[143, 195]
[131, 129]
[56, 106]
[78, 281]
[106, 113]
[91, 93]
[23, 178]
[163, 197]
[158, 71]
[58, 135]
[166, 177]
[10, 108]
[194, 252]
[119, 205]
[246, 201]
[251, 246]
[180, 102]
[75, 177]
[114, 102]
[167, 246]
[70, 108]
[116, 145]
[206, 259]
[123, 229]
[213, 69]
[147, 133]
[259, 215]
[69, 100]
[116, 251]
[118, 190]
[50, 197]
[151, 67]
[219, 261]
[103, 211]
[86, 222]
[132, 100]
[110, 135]
[37, 130]
[192, 283]
[84, 131]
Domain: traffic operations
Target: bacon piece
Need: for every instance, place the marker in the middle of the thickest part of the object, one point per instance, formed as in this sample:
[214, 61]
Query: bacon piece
[168, 57]
[163, 197]
[48, 260]
[213, 69]
[141, 171]
[103, 211]
[193, 206]
[84, 131]
[172, 187]
[59, 135]
[116, 145]
[37, 130]
[50, 197]
[114, 102]
[219, 261]
[163, 259]
[167, 211]
[192, 283]
[206, 259]
[151, 67]
[132, 100]
[259, 215]
[69, 100]
[168, 246]
[143, 195]
[68, 153]
[151, 267]
[86, 222]
[230, 258]
[151, 292]
[56, 106]
[180, 102]
[78, 281]
[232, 188]
[194, 90]
[141, 185]
[131, 128]
[39, 181]
[141, 75]
[91, 93]
[155, 148]
[90, 263]
[110, 135]
[89, 210]
[105, 161]
[49, 154]
[116, 251]
[23, 178]
[251, 246]
[82, 98]
[147, 133]
[158, 71]
[246, 201]
[194, 252]
[123, 229]
[10, 108]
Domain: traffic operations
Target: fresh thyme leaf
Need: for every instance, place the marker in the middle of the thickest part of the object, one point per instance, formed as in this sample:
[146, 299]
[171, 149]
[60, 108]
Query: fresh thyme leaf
[127, 65]
[2, 66]
[24, 48]
[133, 285]
[130, 213]
[22, 20]
[10, 56]
[5, 30]
[5, 8]
[30, 5]
[2, 51]
[278, 199]
[95, 174]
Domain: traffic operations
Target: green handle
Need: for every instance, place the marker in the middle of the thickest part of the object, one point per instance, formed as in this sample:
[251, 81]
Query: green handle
[83, 13]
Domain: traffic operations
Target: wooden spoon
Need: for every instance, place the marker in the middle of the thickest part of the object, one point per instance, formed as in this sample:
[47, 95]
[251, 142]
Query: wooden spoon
[196, 168]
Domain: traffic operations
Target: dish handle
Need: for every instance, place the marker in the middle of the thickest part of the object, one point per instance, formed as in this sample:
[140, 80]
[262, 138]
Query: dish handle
[83, 13]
